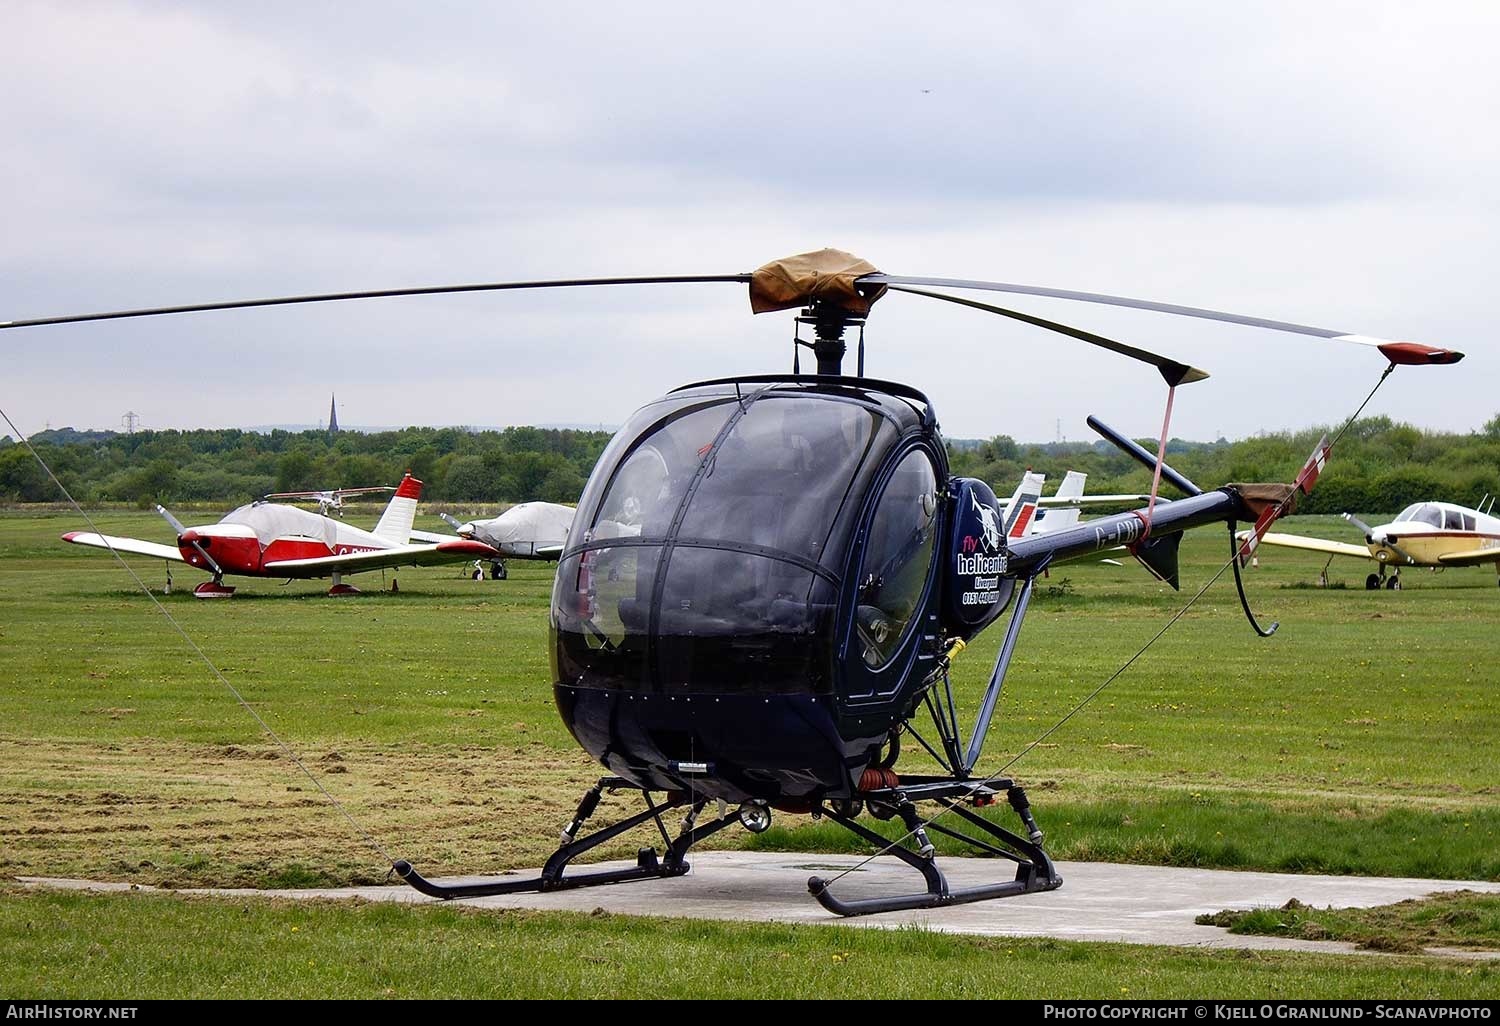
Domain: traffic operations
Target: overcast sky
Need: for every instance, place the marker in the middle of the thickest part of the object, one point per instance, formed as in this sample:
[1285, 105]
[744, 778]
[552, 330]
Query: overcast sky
[1336, 164]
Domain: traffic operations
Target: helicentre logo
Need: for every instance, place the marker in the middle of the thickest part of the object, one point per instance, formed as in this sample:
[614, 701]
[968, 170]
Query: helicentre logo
[990, 521]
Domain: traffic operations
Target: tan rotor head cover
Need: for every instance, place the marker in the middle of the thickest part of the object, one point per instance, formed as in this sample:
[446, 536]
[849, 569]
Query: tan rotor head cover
[826, 275]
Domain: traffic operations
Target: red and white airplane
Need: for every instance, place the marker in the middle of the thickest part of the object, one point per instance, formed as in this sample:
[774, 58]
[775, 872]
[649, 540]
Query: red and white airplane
[266, 539]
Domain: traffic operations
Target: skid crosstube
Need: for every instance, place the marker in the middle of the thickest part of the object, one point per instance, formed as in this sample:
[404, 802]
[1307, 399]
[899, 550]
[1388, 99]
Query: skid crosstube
[553, 878]
[1034, 870]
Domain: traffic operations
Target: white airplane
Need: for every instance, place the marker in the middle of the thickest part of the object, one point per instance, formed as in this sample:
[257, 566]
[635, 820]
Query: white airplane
[530, 530]
[267, 539]
[331, 499]
[1424, 534]
[1063, 508]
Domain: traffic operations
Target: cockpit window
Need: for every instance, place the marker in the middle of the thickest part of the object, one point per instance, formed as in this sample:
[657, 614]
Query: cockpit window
[780, 476]
[1453, 520]
[1422, 513]
[897, 558]
[718, 527]
[643, 495]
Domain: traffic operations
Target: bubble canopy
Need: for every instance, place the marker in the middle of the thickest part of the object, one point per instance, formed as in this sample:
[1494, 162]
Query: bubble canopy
[714, 536]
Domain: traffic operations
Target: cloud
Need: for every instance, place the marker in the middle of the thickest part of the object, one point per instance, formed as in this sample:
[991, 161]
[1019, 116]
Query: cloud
[1332, 164]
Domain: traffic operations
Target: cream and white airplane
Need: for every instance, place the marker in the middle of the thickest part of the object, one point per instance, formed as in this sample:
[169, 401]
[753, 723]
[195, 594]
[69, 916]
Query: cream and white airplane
[1425, 534]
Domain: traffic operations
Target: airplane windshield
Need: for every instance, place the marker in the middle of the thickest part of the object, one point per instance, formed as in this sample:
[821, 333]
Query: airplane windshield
[1422, 513]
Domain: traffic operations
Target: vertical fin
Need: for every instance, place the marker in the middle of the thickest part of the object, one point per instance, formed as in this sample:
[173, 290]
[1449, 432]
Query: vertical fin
[1058, 518]
[1020, 512]
[395, 522]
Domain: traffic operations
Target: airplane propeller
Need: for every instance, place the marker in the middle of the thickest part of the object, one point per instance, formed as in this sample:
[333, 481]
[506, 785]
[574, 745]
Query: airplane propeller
[1369, 533]
[453, 522]
[183, 536]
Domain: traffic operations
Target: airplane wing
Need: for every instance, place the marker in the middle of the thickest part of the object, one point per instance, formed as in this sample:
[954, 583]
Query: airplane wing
[452, 550]
[1297, 541]
[1085, 500]
[431, 537]
[538, 551]
[1471, 557]
[132, 545]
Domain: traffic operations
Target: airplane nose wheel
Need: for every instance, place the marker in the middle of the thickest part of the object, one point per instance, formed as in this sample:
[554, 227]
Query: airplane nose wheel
[1372, 583]
[1394, 584]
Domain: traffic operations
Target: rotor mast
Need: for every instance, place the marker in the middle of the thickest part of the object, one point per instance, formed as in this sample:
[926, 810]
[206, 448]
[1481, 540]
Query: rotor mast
[829, 323]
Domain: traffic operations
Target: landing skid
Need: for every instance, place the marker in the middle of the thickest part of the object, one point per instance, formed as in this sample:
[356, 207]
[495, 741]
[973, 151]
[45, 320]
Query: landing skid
[1034, 870]
[649, 864]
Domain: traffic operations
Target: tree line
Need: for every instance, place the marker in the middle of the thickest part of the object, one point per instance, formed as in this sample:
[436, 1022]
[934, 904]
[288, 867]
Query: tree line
[1379, 466]
[233, 466]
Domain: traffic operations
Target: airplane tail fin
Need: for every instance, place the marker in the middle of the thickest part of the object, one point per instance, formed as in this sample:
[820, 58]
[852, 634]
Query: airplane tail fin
[395, 523]
[1071, 489]
[1072, 485]
[1020, 515]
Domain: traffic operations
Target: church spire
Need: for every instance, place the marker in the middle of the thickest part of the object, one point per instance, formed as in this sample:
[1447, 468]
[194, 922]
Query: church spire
[333, 414]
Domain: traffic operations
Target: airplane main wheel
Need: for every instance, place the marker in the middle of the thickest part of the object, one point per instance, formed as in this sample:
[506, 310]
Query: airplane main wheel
[498, 572]
[478, 575]
[1394, 584]
[1372, 583]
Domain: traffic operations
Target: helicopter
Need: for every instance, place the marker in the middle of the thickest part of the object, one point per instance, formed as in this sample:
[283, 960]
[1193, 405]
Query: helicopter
[768, 577]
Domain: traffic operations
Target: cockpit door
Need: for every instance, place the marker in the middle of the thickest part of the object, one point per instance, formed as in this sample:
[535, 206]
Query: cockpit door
[888, 594]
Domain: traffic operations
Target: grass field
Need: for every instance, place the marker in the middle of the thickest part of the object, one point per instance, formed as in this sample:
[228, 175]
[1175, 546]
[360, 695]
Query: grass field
[1362, 738]
[1455, 919]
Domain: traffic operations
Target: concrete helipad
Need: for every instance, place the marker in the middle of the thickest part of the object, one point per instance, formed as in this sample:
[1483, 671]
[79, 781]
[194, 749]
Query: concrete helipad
[1097, 902]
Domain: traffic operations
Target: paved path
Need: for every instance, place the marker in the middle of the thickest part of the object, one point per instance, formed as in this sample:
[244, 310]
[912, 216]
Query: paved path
[1097, 902]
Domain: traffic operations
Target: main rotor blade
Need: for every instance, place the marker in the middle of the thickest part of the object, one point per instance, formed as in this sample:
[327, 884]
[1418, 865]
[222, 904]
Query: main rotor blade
[1175, 373]
[1396, 352]
[331, 297]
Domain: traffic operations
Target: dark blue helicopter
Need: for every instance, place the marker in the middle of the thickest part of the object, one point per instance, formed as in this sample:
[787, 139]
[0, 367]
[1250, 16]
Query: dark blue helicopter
[768, 576]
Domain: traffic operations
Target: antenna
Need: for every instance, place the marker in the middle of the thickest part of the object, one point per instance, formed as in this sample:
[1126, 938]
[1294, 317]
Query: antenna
[129, 421]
